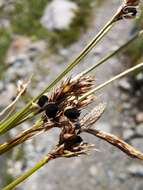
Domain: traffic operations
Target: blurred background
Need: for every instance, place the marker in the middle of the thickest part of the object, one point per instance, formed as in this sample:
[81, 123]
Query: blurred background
[40, 37]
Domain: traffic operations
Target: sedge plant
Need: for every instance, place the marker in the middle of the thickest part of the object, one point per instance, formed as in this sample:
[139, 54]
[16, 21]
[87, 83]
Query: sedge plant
[62, 108]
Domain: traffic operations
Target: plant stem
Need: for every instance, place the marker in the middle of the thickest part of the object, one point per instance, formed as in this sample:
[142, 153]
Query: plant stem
[22, 137]
[104, 59]
[111, 80]
[24, 176]
[81, 56]
[117, 142]
[10, 123]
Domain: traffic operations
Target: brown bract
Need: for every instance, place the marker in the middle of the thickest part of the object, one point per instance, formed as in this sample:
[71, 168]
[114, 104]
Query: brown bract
[132, 2]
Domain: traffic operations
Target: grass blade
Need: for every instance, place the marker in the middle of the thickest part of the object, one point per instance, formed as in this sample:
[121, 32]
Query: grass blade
[11, 122]
[111, 80]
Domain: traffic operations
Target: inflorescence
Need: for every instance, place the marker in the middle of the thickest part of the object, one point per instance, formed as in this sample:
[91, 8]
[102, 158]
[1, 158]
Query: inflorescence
[63, 107]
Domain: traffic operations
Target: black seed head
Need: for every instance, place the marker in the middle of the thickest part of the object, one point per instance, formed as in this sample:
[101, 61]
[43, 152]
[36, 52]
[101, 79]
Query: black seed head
[77, 126]
[78, 140]
[42, 100]
[72, 113]
[51, 110]
[73, 142]
[132, 10]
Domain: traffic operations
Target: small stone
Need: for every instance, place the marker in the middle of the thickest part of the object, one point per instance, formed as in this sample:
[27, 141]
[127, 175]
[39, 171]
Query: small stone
[36, 47]
[4, 23]
[124, 97]
[139, 129]
[127, 133]
[124, 84]
[7, 94]
[137, 143]
[2, 3]
[128, 123]
[135, 170]
[17, 166]
[126, 106]
[139, 117]
[104, 127]
[17, 49]
[139, 76]
[122, 177]
[93, 171]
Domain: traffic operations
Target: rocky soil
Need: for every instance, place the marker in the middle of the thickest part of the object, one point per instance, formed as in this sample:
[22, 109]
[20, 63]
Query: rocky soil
[109, 169]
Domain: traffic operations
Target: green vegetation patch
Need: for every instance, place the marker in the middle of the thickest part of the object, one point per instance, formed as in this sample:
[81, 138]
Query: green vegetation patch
[77, 27]
[5, 39]
[25, 18]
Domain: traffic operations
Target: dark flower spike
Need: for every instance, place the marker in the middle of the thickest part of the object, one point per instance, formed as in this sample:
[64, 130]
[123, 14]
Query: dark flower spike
[73, 142]
[77, 125]
[42, 101]
[72, 113]
[72, 87]
[129, 12]
[51, 110]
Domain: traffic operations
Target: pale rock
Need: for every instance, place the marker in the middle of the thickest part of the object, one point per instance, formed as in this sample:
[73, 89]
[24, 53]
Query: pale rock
[104, 127]
[59, 14]
[139, 129]
[2, 3]
[135, 170]
[93, 171]
[4, 23]
[6, 4]
[14, 169]
[7, 94]
[22, 50]
[36, 47]
[127, 133]
[137, 143]
[139, 117]
[124, 84]
[139, 76]
[17, 49]
[126, 106]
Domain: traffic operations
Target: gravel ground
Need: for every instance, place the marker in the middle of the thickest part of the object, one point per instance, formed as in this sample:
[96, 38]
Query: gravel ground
[109, 169]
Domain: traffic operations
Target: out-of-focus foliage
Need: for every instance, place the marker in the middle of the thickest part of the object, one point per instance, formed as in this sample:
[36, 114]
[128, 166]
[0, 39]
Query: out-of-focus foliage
[4, 44]
[78, 25]
[24, 19]
[135, 51]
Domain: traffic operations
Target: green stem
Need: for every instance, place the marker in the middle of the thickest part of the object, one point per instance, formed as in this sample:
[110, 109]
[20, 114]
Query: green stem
[111, 80]
[6, 146]
[10, 123]
[24, 176]
[21, 138]
[87, 49]
[104, 59]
